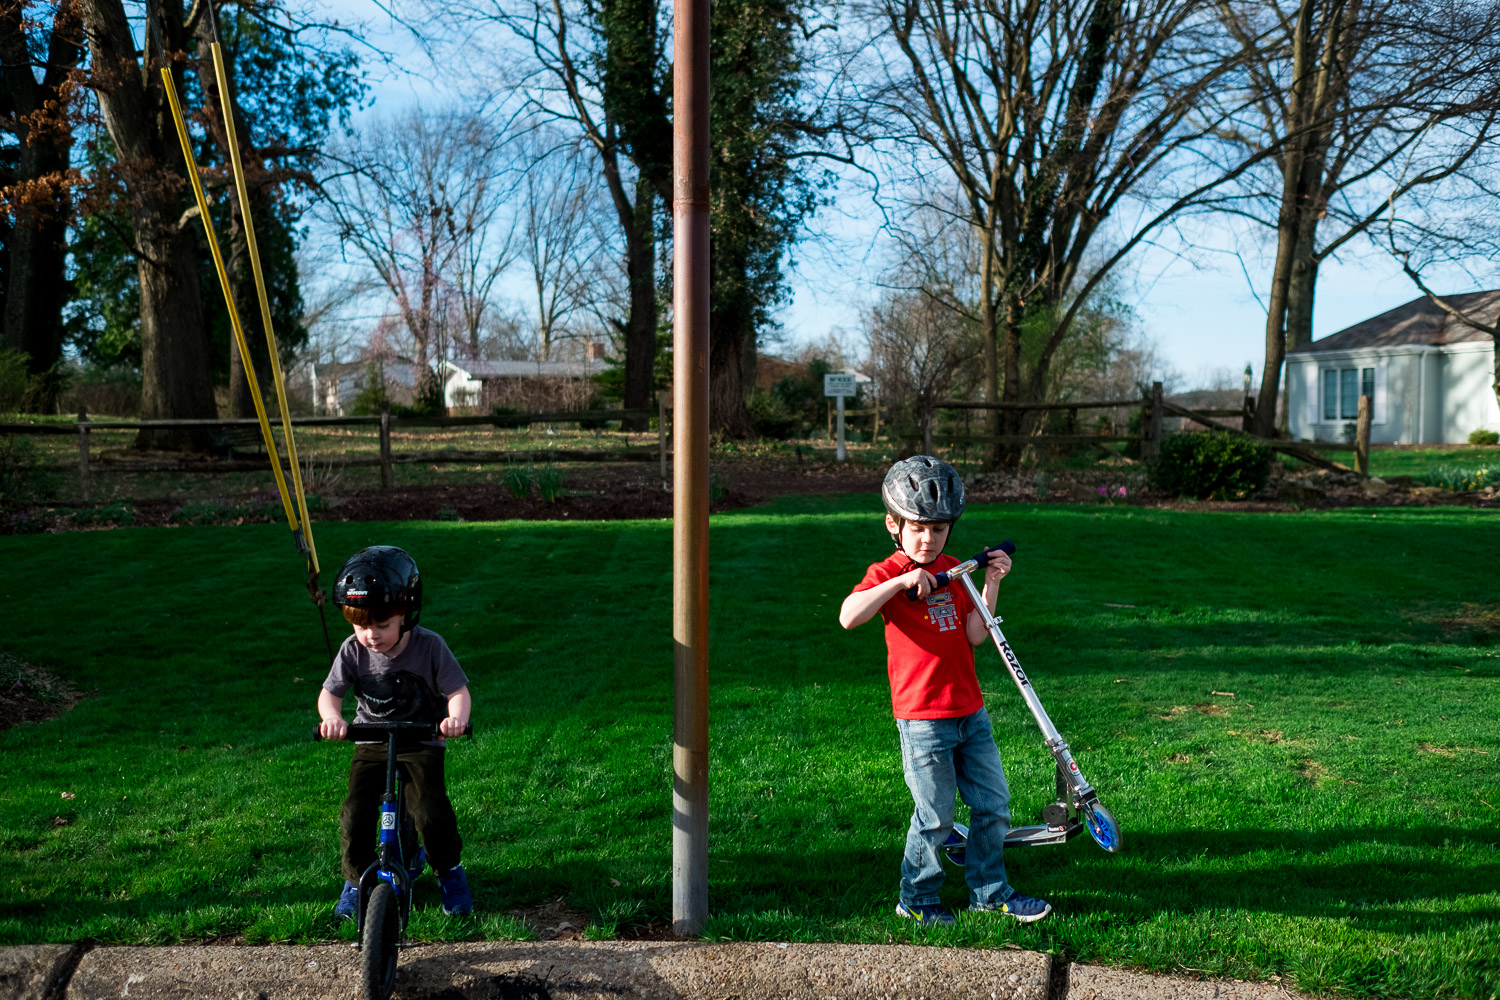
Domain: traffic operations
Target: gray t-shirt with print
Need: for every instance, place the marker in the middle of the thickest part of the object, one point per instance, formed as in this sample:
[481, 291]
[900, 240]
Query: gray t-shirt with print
[412, 686]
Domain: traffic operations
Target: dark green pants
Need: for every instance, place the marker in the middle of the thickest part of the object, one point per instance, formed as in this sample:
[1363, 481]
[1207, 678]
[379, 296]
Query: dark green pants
[426, 802]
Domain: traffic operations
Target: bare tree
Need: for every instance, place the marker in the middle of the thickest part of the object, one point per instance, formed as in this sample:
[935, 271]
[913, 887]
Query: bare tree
[1046, 115]
[562, 243]
[1358, 102]
[417, 202]
[598, 69]
[918, 347]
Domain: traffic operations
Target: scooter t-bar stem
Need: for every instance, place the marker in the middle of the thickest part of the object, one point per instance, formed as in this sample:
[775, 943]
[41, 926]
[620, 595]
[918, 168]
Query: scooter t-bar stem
[1055, 742]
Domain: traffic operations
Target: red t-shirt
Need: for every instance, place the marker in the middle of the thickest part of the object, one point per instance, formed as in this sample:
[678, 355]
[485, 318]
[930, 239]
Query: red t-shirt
[928, 656]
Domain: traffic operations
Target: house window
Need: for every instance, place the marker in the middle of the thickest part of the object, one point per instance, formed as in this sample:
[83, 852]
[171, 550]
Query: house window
[1342, 388]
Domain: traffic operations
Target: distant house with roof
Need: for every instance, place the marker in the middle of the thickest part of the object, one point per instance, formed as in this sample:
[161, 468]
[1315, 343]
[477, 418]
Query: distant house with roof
[1430, 376]
[524, 385]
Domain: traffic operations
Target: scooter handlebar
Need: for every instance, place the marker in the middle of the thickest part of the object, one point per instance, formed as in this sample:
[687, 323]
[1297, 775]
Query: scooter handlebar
[946, 577]
[376, 731]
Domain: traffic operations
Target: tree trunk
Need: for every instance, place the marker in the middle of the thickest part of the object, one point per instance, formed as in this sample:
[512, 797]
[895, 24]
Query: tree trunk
[640, 326]
[174, 366]
[174, 353]
[1010, 455]
[989, 337]
[37, 241]
[237, 261]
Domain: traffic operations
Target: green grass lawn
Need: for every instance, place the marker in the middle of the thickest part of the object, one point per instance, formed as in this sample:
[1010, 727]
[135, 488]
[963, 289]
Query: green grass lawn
[1333, 821]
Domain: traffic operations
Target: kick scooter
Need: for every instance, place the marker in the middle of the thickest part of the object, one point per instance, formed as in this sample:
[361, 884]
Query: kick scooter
[1077, 805]
[385, 887]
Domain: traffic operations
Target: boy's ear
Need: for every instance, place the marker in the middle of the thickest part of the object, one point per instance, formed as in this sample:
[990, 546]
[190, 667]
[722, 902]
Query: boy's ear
[891, 525]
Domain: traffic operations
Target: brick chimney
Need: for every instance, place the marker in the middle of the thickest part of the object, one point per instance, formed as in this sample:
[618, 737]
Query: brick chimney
[593, 351]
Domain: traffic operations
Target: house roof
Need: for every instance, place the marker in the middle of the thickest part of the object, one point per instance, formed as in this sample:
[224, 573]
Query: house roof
[484, 369]
[1417, 322]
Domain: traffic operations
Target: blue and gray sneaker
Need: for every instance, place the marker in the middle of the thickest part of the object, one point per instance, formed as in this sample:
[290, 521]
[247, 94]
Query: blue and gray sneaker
[457, 899]
[414, 869]
[933, 914]
[348, 900]
[1023, 908]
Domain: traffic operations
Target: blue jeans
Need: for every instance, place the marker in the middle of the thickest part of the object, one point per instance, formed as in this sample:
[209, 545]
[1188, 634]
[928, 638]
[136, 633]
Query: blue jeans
[941, 757]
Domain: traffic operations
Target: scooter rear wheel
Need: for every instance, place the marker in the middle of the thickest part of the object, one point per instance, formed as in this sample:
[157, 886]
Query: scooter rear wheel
[1102, 826]
[377, 960]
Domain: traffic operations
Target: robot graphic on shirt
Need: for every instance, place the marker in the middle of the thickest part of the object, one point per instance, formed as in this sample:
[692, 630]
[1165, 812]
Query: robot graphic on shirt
[941, 611]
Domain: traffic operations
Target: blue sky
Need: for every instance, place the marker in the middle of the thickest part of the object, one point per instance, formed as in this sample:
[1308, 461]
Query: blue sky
[1203, 317]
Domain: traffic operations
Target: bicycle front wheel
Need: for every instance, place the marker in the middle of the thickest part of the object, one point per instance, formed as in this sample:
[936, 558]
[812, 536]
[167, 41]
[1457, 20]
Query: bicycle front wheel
[377, 960]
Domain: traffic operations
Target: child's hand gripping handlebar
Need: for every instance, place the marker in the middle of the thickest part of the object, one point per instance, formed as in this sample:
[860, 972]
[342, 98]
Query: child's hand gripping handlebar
[944, 578]
[376, 732]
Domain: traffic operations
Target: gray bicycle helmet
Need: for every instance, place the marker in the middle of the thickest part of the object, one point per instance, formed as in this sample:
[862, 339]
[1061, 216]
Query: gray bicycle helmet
[923, 489]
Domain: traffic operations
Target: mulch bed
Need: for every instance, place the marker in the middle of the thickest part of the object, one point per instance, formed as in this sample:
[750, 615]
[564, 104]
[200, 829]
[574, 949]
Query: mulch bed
[627, 490]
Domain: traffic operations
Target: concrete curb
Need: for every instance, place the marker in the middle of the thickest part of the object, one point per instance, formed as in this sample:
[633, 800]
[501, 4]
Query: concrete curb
[590, 970]
[36, 971]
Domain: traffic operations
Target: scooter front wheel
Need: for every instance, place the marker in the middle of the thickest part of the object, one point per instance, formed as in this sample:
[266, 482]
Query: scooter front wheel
[377, 960]
[1102, 826]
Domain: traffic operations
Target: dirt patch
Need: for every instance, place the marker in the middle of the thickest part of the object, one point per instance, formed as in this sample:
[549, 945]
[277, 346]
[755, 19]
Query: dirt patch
[31, 694]
[1473, 618]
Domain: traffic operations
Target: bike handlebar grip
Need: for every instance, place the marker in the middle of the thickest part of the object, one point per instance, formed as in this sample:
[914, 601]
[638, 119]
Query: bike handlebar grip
[942, 580]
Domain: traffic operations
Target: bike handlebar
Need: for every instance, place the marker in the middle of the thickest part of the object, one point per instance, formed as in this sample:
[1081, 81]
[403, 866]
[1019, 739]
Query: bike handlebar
[946, 577]
[379, 730]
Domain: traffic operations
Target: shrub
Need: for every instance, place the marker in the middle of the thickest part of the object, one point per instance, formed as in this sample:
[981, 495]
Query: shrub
[1483, 436]
[549, 483]
[1211, 465]
[518, 479]
[1459, 479]
[20, 477]
[772, 417]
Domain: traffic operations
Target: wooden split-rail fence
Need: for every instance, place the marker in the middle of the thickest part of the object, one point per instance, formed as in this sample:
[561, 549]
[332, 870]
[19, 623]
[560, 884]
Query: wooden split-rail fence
[244, 435]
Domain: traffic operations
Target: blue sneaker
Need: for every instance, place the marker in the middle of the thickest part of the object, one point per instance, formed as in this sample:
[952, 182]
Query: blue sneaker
[933, 914]
[1023, 908]
[457, 899]
[348, 900]
[414, 870]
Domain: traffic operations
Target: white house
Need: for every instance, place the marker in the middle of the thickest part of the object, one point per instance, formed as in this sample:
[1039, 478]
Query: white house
[464, 383]
[1430, 376]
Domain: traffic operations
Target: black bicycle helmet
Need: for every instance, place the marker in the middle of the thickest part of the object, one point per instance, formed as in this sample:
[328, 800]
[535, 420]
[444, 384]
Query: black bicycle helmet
[381, 576]
[923, 489]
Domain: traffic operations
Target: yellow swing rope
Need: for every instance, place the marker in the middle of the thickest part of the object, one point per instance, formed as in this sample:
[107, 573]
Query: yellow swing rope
[265, 304]
[234, 316]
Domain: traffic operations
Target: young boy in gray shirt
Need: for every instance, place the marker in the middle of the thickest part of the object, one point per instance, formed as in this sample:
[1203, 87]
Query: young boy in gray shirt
[400, 672]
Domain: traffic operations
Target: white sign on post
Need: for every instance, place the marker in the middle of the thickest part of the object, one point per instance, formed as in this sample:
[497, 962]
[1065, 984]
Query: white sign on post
[840, 385]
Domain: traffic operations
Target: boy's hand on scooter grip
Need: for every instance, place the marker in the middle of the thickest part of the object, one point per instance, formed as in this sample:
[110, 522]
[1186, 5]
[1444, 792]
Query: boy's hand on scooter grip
[922, 580]
[451, 726]
[996, 565]
[333, 729]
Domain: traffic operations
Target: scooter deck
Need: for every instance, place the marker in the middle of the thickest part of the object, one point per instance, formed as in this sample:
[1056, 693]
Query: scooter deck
[1031, 835]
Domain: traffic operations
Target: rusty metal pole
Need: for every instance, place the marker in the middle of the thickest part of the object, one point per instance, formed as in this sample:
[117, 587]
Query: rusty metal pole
[690, 466]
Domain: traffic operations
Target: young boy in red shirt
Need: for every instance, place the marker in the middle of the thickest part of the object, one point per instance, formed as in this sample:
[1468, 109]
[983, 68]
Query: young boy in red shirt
[947, 745]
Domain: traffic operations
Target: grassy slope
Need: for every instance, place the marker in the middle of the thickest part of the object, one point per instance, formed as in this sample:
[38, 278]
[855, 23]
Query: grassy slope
[1333, 821]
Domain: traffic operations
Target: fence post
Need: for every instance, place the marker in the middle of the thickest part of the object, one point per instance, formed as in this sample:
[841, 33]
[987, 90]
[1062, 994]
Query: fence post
[661, 435]
[1151, 425]
[1362, 436]
[386, 475]
[875, 434]
[83, 451]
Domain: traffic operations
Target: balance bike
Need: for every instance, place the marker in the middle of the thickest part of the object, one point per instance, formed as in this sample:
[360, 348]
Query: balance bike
[1077, 805]
[384, 904]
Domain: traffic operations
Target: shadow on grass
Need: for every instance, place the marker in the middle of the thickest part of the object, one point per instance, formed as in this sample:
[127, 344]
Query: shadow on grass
[1374, 879]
